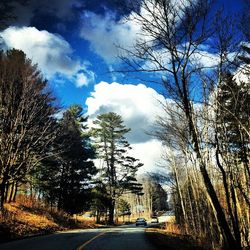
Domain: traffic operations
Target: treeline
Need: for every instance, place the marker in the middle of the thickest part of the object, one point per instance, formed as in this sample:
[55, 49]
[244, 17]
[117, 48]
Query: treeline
[27, 122]
[202, 54]
[154, 199]
[49, 153]
[222, 129]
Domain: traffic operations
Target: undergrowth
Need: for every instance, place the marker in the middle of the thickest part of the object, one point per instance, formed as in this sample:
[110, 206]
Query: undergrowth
[30, 217]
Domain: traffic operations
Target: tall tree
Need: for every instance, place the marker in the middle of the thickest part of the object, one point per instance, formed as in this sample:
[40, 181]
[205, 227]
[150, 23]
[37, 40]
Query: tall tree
[233, 116]
[175, 34]
[27, 122]
[119, 169]
[233, 143]
[78, 167]
[66, 176]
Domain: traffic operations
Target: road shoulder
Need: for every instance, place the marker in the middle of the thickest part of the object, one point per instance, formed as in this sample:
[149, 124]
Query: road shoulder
[165, 241]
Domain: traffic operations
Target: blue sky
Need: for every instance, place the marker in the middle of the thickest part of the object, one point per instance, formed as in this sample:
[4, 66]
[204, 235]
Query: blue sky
[73, 42]
[78, 22]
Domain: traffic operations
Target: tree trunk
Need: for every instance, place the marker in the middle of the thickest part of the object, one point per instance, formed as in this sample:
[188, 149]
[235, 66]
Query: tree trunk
[97, 216]
[10, 198]
[7, 190]
[180, 198]
[230, 242]
[2, 190]
[111, 212]
[234, 217]
[15, 192]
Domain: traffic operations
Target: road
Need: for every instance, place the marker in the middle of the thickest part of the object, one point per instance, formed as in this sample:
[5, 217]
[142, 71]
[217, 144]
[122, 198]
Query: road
[117, 238]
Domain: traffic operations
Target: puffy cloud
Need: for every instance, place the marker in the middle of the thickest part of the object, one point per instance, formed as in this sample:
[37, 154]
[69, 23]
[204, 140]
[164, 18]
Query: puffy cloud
[84, 77]
[104, 34]
[138, 105]
[50, 51]
[150, 153]
[122, 32]
[81, 80]
[121, 35]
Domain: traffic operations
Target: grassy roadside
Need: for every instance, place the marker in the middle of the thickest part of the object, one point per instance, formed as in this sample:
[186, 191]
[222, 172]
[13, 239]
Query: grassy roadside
[20, 220]
[164, 240]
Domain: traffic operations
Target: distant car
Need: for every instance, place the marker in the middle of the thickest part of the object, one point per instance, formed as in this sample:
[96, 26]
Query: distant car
[154, 220]
[141, 222]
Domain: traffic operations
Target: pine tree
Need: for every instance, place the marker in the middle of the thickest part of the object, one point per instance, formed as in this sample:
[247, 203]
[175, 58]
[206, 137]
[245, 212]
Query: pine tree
[232, 150]
[233, 117]
[123, 208]
[65, 177]
[119, 169]
[99, 200]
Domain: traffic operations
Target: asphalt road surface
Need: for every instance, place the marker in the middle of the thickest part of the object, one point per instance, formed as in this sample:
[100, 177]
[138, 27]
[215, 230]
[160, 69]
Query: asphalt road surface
[117, 238]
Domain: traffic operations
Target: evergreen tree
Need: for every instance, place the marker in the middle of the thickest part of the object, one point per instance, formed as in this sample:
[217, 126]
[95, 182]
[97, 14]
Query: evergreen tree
[233, 143]
[123, 208]
[233, 117]
[119, 169]
[66, 176]
[99, 200]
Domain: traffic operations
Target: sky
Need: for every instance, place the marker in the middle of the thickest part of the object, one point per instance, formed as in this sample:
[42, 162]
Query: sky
[75, 43]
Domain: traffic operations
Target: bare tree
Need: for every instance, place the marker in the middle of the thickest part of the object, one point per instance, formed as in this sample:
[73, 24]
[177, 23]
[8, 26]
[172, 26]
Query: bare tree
[172, 40]
[27, 118]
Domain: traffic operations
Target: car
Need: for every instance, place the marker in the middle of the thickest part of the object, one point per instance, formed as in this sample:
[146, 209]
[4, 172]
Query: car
[141, 222]
[154, 220]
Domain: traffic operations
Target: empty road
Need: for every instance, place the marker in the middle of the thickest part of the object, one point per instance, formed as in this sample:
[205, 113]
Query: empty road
[116, 238]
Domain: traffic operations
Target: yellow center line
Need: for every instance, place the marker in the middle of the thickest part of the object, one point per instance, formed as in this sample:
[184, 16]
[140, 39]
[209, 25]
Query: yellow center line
[89, 241]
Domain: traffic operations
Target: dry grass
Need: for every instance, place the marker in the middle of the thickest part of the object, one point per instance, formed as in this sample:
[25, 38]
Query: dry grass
[170, 241]
[28, 217]
[173, 228]
[17, 222]
[171, 236]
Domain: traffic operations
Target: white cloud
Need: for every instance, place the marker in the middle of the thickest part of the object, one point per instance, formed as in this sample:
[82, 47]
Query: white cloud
[149, 153]
[81, 80]
[51, 52]
[138, 105]
[104, 34]
[84, 77]
[205, 59]
[243, 74]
